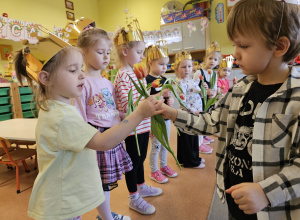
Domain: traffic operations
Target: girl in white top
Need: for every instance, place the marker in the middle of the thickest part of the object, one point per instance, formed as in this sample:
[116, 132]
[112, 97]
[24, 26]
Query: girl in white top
[68, 184]
[130, 53]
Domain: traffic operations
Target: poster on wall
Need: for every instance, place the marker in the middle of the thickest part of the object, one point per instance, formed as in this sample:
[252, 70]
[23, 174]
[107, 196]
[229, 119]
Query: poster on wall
[220, 13]
[30, 28]
[3, 27]
[231, 3]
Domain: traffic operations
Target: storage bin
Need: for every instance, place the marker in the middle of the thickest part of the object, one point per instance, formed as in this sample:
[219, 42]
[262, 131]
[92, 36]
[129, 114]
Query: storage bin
[4, 91]
[4, 100]
[29, 114]
[5, 108]
[5, 116]
[25, 90]
[28, 106]
[26, 98]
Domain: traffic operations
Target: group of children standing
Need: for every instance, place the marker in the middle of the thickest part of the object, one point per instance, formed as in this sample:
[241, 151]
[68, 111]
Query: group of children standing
[69, 184]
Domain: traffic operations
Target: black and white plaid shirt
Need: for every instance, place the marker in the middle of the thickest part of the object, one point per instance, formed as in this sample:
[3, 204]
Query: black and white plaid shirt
[275, 143]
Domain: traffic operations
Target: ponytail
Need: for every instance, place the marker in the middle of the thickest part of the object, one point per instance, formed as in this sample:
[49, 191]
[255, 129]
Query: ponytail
[20, 67]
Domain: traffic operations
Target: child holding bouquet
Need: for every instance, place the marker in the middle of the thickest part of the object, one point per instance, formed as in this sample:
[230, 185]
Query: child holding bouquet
[211, 60]
[157, 60]
[130, 47]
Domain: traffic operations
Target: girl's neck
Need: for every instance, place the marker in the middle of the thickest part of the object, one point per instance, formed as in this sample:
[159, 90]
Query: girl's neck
[206, 68]
[93, 72]
[126, 66]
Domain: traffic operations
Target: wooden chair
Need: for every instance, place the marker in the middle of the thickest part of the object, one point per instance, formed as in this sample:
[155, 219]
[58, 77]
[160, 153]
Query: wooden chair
[16, 156]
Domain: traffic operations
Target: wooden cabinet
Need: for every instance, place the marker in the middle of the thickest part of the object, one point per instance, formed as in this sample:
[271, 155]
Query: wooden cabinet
[193, 41]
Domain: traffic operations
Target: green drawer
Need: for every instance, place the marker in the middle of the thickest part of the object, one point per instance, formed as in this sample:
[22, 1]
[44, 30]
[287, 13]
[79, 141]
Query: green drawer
[29, 114]
[4, 91]
[4, 100]
[28, 106]
[5, 116]
[25, 90]
[26, 98]
[5, 108]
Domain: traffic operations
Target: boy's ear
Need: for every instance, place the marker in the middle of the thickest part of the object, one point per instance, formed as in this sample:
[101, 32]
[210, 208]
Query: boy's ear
[282, 46]
[124, 51]
[44, 77]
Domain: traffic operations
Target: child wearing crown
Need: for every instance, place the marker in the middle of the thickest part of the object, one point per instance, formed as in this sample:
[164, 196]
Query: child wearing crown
[157, 60]
[188, 145]
[223, 84]
[130, 47]
[211, 60]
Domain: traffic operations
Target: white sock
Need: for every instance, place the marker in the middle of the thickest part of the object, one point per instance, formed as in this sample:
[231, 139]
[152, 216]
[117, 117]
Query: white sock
[104, 208]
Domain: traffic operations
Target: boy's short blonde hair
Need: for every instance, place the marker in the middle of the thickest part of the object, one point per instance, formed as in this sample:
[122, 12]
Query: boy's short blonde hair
[264, 16]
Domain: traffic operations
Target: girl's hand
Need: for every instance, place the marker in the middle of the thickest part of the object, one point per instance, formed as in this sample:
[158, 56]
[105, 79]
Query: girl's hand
[205, 85]
[168, 113]
[149, 107]
[166, 93]
[170, 101]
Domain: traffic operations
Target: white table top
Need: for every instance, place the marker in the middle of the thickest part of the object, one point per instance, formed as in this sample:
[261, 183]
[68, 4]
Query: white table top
[20, 129]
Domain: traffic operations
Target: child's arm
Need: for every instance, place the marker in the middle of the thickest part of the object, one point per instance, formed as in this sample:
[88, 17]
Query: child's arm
[110, 138]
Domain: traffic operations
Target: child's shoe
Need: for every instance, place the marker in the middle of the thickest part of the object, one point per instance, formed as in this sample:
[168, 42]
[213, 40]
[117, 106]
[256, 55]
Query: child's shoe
[208, 139]
[119, 217]
[141, 206]
[145, 191]
[168, 171]
[202, 165]
[158, 177]
[205, 142]
[205, 149]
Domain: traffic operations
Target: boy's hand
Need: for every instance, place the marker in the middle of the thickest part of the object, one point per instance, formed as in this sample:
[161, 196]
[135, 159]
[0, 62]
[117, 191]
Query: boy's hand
[169, 113]
[249, 196]
[149, 107]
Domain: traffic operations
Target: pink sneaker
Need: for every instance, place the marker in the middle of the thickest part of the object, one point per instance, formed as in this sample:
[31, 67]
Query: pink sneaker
[205, 142]
[168, 171]
[205, 149]
[208, 139]
[158, 177]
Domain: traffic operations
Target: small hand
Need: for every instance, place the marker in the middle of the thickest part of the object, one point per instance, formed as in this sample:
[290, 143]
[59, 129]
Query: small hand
[166, 93]
[205, 85]
[250, 197]
[170, 101]
[211, 93]
[150, 107]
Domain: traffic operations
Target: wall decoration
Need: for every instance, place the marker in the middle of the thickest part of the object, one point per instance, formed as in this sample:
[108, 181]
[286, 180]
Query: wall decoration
[230, 4]
[3, 27]
[69, 5]
[70, 15]
[5, 51]
[16, 30]
[220, 13]
[191, 26]
[204, 23]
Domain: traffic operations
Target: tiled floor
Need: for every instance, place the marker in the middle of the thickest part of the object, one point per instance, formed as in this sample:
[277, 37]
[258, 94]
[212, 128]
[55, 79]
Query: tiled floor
[187, 196]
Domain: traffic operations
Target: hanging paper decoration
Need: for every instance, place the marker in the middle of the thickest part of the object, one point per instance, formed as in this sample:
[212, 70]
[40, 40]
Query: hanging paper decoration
[191, 26]
[3, 27]
[30, 28]
[220, 13]
[58, 31]
[16, 30]
[204, 23]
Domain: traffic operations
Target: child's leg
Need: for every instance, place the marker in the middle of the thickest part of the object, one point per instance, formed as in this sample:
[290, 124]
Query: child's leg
[104, 209]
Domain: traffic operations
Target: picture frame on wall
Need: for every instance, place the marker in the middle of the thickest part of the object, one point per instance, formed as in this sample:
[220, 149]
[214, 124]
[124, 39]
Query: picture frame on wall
[5, 51]
[70, 15]
[69, 5]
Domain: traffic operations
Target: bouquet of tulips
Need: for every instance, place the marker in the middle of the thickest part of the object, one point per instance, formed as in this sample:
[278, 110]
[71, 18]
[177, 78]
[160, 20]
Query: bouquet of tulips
[206, 101]
[158, 126]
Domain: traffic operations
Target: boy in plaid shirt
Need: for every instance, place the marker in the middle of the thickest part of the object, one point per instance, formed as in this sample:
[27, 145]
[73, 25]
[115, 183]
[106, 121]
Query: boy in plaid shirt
[258, 154]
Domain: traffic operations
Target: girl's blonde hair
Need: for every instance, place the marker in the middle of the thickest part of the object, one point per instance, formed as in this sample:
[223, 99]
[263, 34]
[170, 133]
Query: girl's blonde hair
[88, 38]
[42, 92]
[119, 48]
[264, 17]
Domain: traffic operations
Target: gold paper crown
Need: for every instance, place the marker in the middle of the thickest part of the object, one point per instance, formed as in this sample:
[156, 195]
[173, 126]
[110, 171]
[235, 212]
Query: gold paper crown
[214, 46]
[157, 51]
[134, 33]
[72, 30]
[37, 55]
[182, 55]
[228, 62]
[223, 64]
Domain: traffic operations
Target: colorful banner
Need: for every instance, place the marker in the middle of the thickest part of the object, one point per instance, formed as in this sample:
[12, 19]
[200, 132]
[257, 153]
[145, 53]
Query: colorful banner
[170, 35]
[15, 30]
[3, 27]
[30, 28]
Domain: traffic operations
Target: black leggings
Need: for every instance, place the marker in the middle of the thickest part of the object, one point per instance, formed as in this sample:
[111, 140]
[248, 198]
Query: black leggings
[136, 175]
